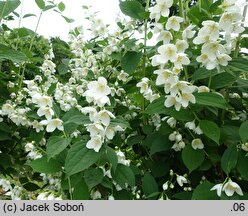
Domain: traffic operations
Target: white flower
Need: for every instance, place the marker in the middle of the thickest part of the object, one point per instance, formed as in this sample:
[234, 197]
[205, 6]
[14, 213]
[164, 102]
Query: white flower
[52, 124]
[167, 52]
[143, 85]
[218, 188]
[228, 18]
[104, 116]
[122, 158]
[182, 59]
[98, 91]
[198, 130]
[197, 144]
[181, 180]
[123, 76]
[190, 125]
[29, 147]
[95, 143]
[188, 32]
[244, 146]
[165, 36]
[171, 122]
[95, 195]
[203, 89]
[213, 49]
[165, 186]
[42, 101]
[211, 29]
[165, 76]
[92, 112]
[181, 45]
[223, 59]
[95, 129]
[45, 111]
[161, 8]
[174, 23]
[230, 187]
[7, 109]
[173, 101]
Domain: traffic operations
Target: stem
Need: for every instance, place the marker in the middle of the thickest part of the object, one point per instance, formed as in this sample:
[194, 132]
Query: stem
[181, 10]
[70, 189]
[144, 55]
[145, 40]
[236, 52]
[210, 79]
[20, 19]
[30, 47]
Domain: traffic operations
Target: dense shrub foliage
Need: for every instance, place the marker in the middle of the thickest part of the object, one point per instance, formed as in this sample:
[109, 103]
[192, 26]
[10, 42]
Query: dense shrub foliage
[113, 117]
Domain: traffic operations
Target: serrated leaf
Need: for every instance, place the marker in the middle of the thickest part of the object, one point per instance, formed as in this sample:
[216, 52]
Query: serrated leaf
[242, 165]
[124, 176]
[79, 158]
[149, 185]
[243, 131]
[229, 159]
[61, 6]
[93, 177]
[210, 99]
[55, 145]
[7, 7]
[157, 107]
[41, 4]
[133, 9]
[42, 165]
[130, 61]
[13, 55]
[192, 158]
[81, 191]
[203, 192]
[112, 157]
[210, 129]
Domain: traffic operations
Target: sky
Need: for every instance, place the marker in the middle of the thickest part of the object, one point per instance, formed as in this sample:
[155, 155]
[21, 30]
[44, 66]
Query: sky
[52, 24]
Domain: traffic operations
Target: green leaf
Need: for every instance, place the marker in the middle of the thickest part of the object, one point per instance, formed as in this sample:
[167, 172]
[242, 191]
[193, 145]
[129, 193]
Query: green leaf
[42, 165]
[242, 165]
[130, 61]
[4, 136]
[61, 6]
[133, 9]
[211, 130]
[28, 15]
[124, 175]
[79, 158]
[63, 69]
[68, 20]
[157, 107]
[55, 145]
[222, 80]
[192, 158]
[120, 121]
[149, 185]
[229, 159]
[197, 15]
[210, 99]
[160, 143]
[203, 73]
[41, 4]
[203, 192]
[238, 64]
[13, 55]
[112, 157]
[93, 177]
[81, 191]
[243, 131]
[7, 7]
